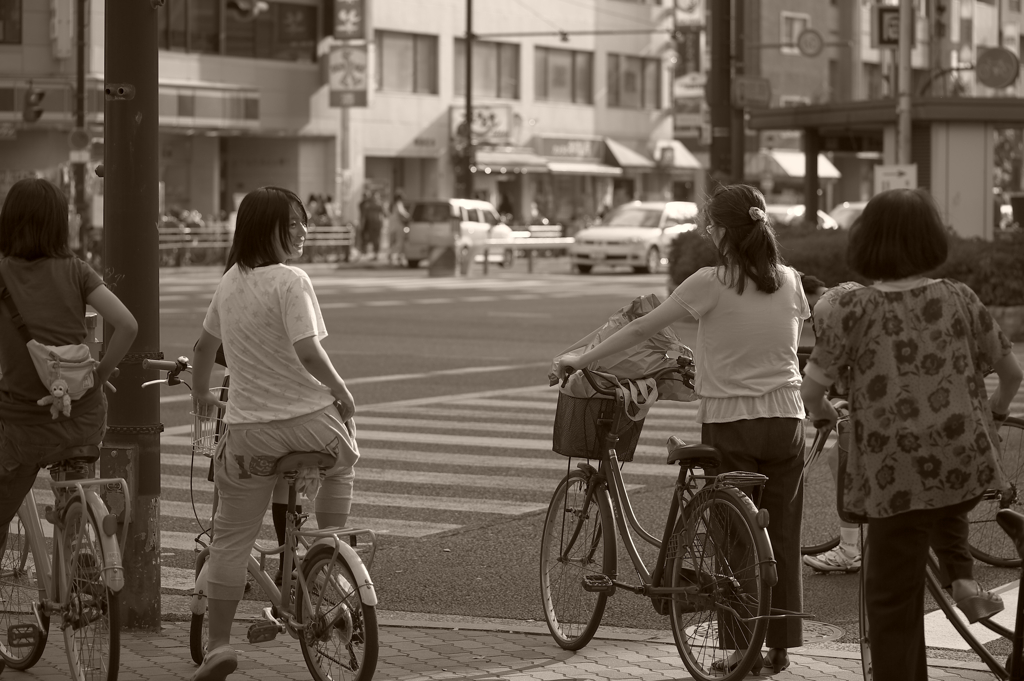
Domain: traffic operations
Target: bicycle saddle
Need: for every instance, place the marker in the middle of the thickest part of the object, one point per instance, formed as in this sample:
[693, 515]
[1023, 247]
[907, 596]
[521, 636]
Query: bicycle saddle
[1012, 523]
[296, 461]
[83, 453]
[692, 456]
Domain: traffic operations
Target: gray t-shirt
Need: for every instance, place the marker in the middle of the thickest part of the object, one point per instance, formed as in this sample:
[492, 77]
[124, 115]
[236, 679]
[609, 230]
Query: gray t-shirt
[50, 294]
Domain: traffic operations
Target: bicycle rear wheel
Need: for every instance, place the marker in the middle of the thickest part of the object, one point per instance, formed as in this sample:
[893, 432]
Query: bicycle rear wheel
[24, 642]
[862, 615]
[987, 541]
[90, 612]
[340, 640]
[578, 541]
[714, 553]
[819, 532]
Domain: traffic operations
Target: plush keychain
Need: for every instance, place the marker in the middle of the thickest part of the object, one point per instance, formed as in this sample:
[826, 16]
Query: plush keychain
[58, 399]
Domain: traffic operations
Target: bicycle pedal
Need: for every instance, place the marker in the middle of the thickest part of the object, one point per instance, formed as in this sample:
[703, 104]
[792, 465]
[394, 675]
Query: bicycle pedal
[22, 635]
[598, 584]
[261, 632]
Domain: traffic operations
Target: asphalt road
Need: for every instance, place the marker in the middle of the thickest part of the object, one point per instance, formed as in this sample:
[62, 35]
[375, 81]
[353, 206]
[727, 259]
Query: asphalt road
[454, 420]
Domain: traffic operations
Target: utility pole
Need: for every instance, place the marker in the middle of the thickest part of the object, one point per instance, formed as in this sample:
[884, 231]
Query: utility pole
[131, 447]
[903, 80]
[470, 154]
[739, 124]
[720, 91]
[78, 168]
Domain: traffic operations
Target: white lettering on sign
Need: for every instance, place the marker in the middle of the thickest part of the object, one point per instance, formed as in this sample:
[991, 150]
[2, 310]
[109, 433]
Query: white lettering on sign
[573, 148]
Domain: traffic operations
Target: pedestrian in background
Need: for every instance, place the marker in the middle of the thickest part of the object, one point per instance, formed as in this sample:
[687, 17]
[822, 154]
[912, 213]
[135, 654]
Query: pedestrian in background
[397, 221]
[924, 446]
[373, 224]
[750, 311]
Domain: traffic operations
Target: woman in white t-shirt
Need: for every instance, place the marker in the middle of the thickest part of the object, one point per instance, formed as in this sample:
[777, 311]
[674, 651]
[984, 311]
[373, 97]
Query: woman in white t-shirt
[285, 396]
[750, 311]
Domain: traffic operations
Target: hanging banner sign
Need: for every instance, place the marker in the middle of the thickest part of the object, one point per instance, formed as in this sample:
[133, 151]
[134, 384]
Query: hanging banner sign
[350, 20]
[348, 75]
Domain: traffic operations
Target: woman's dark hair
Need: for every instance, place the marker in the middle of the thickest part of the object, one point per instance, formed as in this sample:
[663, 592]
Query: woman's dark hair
[749, 247]
[811, 283]
[900, 234]
[263, 217]
[34, 221]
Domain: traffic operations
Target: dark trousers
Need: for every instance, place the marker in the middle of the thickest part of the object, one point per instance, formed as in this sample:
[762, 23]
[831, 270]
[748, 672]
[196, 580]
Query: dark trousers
[894, 575]
[773, 447]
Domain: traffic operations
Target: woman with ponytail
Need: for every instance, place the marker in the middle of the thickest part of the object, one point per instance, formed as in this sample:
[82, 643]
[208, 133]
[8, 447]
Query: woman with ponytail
[750, 310]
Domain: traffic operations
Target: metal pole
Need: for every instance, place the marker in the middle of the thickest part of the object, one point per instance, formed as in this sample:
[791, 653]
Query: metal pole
[903, 79]
[78, 169]
[131, 448]
[739, 126]
[719, 92]
[469, 155]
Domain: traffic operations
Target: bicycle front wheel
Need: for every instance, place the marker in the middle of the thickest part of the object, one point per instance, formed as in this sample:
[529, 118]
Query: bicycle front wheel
[19, 593]
[987, 540]
[340, 639]
[719, 622]
[91, 617]
[819, 532]
[578, 542]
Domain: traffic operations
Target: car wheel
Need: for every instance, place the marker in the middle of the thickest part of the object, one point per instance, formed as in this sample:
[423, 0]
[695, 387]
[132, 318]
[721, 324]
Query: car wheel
[412, 263]
[584, 269]
[653, 261]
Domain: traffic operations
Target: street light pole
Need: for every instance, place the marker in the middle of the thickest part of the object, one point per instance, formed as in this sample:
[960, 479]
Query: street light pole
[469, 155]
[131, 447]
[720, 92]
[78, 168]
[903, 76]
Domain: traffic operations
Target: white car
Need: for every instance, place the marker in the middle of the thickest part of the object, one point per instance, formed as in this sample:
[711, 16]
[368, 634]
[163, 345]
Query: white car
[793, 215]
[847, 212]
[470, 222]
[638, 234]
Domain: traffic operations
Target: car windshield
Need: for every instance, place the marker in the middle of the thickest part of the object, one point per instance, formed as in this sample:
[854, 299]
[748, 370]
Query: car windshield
[632, 216]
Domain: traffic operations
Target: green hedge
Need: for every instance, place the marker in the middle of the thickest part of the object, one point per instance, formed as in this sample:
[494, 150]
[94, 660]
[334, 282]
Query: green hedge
[994, 269]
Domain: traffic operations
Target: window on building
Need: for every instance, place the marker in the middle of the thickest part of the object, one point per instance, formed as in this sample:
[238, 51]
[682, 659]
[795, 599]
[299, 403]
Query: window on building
[792, 24]
[564, 76]
[286, 31]
[634, 82]
[495, 69]
[10, 22]
[406, 62]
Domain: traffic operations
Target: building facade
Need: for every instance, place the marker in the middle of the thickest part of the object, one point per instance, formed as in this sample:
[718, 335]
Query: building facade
[572, 108]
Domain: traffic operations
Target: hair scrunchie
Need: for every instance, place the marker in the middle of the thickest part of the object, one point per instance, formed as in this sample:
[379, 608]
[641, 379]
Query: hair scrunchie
[756, 214]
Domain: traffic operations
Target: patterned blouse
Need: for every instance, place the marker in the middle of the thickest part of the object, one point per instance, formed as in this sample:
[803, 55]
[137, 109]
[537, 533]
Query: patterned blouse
[923, 435]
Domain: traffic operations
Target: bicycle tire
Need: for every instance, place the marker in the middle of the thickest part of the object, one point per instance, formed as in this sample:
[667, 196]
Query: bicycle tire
[573, 614]
[818, 532]
[988, 542]
[90, 610]
[19, 592]
[199, 627]
[714, 547]
[349, 624]
[862, 617]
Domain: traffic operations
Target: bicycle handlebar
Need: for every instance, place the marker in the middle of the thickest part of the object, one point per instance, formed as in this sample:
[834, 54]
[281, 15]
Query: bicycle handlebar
[159, 364]
[682, 367]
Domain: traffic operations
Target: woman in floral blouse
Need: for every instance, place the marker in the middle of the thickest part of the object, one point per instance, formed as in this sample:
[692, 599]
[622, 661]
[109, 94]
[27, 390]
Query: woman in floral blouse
[924, 447]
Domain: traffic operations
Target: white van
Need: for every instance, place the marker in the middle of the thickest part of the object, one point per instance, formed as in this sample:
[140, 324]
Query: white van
[470, 222]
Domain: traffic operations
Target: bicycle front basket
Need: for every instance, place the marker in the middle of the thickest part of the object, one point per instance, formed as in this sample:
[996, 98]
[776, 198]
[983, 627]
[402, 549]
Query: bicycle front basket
[207, 427]
[582, 422]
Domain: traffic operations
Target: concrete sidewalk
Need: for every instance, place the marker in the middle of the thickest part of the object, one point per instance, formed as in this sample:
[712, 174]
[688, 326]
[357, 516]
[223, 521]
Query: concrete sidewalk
[416, 647]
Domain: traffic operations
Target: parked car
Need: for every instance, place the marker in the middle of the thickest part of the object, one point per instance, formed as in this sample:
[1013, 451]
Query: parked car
[847, 212]
[638, 234]
[472, 223]
[793, 214]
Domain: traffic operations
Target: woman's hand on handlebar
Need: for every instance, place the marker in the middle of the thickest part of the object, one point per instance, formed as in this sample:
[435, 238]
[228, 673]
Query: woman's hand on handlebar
[823, 415]
[209, 398]
[561, 366]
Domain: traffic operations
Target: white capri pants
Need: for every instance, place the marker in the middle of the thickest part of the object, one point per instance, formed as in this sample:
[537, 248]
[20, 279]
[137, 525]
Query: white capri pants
[245, 458]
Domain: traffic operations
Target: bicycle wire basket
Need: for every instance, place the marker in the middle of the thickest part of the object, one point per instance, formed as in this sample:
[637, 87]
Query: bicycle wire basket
[581, 424]
[207, 427]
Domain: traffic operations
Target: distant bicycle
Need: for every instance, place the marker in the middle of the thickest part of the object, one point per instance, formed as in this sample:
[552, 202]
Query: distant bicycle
[79, 585]
[326, 598]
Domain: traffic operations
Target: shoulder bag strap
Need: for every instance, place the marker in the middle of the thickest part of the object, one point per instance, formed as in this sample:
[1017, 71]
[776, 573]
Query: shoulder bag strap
[12, 309]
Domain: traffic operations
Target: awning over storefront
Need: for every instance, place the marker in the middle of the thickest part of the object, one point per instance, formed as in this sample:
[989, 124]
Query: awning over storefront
[673, 155]
[624, 157]
[570, 168]
[510, 160]
[787, 163]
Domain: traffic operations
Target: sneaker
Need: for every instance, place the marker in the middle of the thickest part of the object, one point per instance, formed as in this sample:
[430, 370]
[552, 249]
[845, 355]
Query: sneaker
[217, 665]
[836, 560]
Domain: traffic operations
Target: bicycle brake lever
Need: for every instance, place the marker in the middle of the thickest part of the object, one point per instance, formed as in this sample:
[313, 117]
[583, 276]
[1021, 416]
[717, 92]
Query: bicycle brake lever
[569, 371]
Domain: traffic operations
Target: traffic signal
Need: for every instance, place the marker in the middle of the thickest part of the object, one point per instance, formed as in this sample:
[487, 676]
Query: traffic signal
[247, 10]
[33, 104]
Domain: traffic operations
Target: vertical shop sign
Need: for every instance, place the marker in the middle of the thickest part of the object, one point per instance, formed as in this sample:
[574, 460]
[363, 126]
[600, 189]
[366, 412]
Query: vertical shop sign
[350, 19]
[347, 75]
